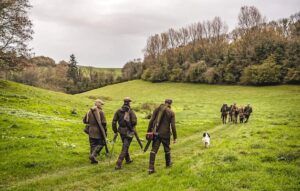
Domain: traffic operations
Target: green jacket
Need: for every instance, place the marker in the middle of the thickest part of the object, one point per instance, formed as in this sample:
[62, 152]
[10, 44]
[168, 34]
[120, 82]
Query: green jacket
[119, 120]
[166, 125]
[248, 110]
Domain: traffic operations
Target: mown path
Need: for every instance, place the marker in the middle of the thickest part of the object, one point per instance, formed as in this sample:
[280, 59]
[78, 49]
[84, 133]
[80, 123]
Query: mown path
[105, 177]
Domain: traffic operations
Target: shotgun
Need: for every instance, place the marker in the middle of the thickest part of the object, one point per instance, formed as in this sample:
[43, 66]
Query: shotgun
[102, 131]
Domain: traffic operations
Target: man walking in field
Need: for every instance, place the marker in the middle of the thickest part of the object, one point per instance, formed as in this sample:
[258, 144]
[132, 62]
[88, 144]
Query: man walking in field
[230, 113]
[93, 118]
[234, 112]
[241, 114]
[159, 131]
[126, 119]
[248, 111]
[224, 113]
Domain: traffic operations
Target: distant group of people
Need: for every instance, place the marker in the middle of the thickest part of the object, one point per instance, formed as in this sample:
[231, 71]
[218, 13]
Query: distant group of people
[161, 127]
[234, 112]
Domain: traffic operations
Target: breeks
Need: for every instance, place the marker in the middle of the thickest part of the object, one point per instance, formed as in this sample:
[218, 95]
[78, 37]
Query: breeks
[125, 150]
[96, 146]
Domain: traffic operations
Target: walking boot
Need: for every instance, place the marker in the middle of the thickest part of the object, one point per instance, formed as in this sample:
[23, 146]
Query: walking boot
[118, 164]
[151, 163]
[93, 159]
[168, 160]
[128, 159]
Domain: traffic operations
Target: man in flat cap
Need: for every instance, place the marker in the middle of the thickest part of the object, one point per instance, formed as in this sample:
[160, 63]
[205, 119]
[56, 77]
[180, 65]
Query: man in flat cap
[126, 120]
[94, 117]
[161, 124]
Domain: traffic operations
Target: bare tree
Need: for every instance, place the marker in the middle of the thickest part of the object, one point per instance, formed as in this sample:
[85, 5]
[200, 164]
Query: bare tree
[193, 32]
[164, 41]
[184, 36]
[219, 28]
[172, 37]
[249, 17]
[199, 31]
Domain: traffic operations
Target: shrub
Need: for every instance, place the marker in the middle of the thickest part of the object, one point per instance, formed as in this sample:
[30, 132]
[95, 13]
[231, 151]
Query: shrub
[196, 72]
[267, 73]
[211, 76]
[292, 77]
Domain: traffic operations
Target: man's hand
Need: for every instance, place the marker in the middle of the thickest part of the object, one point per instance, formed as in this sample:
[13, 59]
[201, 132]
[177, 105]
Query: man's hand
[174, 141]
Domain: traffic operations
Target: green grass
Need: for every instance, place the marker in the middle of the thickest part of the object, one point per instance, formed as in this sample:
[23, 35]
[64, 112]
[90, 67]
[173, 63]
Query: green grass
[43, 147]
[116, 72]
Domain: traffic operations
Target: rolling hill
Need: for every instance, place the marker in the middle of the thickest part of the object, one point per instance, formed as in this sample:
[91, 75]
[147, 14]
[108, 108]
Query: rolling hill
[43, 147]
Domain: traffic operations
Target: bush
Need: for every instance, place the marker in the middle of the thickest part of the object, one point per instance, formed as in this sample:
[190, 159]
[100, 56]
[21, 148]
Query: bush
[29, 76]
[211, 76]
[292, 77]
[175, 75]
[158, 75]
[132, 70]
[146, 74]
[267, 73]
[196, 72]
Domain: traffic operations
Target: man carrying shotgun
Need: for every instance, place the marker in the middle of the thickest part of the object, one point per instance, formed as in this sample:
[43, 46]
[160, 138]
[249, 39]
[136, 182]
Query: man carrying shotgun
[126, 119]
[159, 131]
[96, 129]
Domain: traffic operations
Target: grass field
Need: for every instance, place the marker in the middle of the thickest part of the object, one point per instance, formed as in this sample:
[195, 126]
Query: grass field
[116, 72]
[43, 147]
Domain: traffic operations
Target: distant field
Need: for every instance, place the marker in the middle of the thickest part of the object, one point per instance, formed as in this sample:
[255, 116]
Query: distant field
[115, 71]
[42, 146]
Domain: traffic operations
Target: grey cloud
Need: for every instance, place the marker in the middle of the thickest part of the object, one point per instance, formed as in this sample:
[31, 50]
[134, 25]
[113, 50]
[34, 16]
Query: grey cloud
[107, 33]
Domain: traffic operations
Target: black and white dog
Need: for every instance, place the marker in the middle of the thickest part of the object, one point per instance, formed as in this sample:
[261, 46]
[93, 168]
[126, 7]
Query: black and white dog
[206, 139]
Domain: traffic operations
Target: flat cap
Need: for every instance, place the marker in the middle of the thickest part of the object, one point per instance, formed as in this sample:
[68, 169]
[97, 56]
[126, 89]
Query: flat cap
[99, 101]
[169, 101]
[127, 99]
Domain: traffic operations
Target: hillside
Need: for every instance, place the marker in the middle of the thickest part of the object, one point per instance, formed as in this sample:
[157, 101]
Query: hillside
[117, 72]
[42, 146]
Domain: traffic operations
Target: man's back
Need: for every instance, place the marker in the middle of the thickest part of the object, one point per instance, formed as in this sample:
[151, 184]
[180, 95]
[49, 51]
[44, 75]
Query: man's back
[167, 120]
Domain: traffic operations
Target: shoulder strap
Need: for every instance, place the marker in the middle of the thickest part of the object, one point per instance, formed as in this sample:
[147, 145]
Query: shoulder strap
[97, 116]
[127, 116]
[99, 125]
[161, 111]
[87, 116]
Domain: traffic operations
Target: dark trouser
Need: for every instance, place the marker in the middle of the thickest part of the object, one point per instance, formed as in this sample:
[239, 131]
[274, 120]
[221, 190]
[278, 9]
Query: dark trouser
[155, 146]
[241, 119]
[230, 117]
[224, 117]
[96, 146]
[235, 118]
[247, 117]
[125, 150]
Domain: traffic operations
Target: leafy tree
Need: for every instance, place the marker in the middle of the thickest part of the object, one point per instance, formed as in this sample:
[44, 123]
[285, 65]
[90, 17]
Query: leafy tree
[15, 32]
[132, 70]
[15, 26]
[205, 52]
[268, 73]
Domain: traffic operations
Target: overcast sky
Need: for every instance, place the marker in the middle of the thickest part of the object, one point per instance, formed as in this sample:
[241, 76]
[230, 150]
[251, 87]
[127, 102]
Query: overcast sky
[108, 33]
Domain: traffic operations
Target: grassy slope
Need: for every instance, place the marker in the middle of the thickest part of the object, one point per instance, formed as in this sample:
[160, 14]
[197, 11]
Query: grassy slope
[115, 71]
[47, 150]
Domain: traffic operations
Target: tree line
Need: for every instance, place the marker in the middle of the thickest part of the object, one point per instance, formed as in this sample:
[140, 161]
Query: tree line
[69, 77]
[256, 52]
